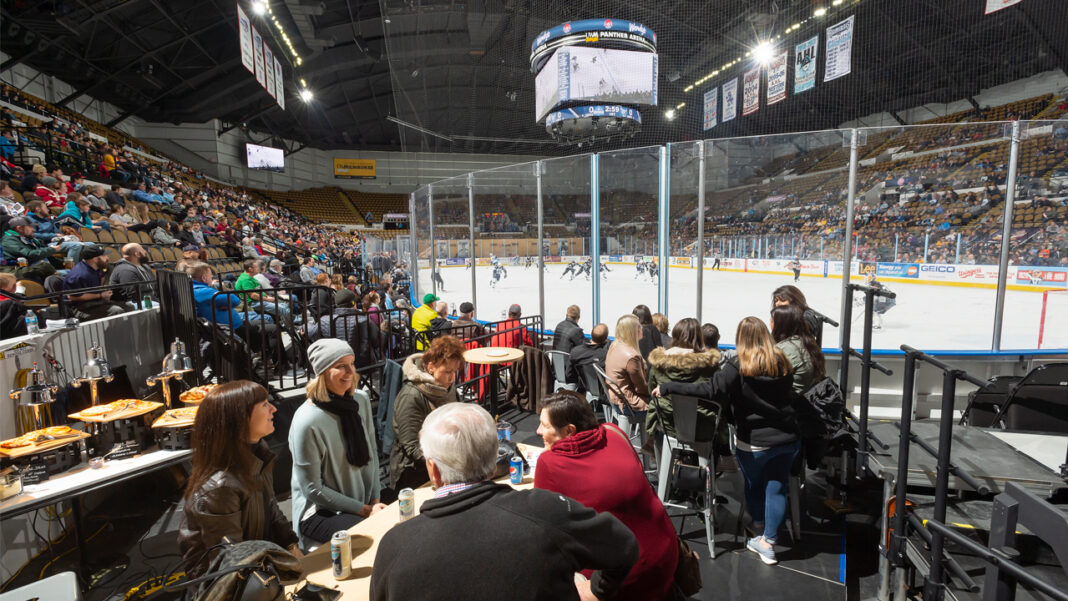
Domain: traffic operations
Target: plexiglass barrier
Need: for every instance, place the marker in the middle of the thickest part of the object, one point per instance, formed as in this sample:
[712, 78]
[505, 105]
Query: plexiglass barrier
[929, 211]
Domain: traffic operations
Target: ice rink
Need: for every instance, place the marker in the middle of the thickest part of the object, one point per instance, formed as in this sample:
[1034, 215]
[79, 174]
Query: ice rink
[930, 317]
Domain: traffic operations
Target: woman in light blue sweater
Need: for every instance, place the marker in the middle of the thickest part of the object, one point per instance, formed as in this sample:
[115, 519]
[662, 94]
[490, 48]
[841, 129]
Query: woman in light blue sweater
[335, 481]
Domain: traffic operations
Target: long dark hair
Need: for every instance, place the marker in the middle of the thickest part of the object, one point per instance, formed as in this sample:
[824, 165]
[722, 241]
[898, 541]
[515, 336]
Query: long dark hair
[687, 334]
[644, 315]
[790, 294]
[220, 433]
[566, 407]
[788, 321]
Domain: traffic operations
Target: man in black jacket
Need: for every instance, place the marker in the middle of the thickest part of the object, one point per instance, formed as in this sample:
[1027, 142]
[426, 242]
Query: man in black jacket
[568, 335]
[590, 353]
[130, 269]
[480, 540]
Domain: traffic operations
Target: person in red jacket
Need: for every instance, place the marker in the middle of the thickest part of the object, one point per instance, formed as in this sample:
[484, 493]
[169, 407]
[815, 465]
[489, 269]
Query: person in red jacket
[596, 465]
[509, 333]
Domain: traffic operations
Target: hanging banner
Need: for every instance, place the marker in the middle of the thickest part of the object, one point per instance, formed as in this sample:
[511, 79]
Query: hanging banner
[279, 89]
[268, 63]
[730, 99]
[711, 107]
[839, 50]
[257, 48]
[777, 78]
[751, 91]
[244, 32]
[996, 5]
[805, 65]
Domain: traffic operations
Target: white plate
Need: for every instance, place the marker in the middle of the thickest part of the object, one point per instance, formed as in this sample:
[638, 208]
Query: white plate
[496, 353]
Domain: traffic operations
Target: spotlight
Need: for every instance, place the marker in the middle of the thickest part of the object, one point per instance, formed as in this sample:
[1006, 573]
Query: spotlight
[669, 114]
[306, 95]
[762, 53]
[259, 7]
[820, 12]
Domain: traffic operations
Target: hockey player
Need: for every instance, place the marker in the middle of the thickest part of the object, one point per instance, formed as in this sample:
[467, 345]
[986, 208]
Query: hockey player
[498, 271]
[795, 266]
[571, 269]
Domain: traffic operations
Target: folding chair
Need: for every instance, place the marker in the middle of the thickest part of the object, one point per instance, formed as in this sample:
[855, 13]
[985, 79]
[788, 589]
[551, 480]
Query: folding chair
[622, 420]
[560, 362]
[595, 393]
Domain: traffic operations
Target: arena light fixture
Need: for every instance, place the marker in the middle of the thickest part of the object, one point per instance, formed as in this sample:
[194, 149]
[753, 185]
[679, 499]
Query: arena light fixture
[669, 114]
[306, 95]
[259, 7]
[836, 2]
[819, 12]
[762, 53]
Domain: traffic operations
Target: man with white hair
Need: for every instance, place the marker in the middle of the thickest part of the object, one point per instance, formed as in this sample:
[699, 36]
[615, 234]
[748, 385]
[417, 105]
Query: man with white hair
[480, 540]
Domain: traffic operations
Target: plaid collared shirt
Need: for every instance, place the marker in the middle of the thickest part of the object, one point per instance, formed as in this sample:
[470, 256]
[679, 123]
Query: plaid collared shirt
[449, 489]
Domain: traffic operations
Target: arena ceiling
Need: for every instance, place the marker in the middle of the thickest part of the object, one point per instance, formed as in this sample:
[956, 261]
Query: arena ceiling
[459, 70]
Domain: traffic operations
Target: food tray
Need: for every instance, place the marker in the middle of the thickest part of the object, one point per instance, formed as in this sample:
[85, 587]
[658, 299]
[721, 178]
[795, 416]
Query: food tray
[195, 395]
[116, 411]
[176, 418]
[43, 446]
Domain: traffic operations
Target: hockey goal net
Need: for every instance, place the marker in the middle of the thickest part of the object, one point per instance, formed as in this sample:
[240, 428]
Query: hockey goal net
[1053, 325]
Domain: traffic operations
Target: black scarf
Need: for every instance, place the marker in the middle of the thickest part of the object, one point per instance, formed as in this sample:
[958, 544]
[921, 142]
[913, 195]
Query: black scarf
[346, 408]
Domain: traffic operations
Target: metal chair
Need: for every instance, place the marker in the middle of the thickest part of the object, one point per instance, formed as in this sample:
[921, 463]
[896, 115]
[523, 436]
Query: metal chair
[621, 419]
[595, 392]
[560, 362]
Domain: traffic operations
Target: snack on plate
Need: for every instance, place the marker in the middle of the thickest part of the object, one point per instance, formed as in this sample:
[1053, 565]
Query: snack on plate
[30, 438]
[196, 394]
[183, 412]
[119, 405]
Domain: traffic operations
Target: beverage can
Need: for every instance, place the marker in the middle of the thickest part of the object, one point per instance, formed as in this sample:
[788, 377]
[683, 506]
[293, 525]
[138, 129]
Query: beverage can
[515, 470]
[406, 501]
[147, 301]
[341, 554]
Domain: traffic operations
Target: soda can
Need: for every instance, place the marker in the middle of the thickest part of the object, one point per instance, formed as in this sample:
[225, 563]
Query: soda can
[341, 554]
[515, 470]
[406, 500]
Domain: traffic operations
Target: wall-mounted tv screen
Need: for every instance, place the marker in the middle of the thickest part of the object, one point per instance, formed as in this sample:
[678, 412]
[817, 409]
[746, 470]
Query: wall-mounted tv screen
[265, 157]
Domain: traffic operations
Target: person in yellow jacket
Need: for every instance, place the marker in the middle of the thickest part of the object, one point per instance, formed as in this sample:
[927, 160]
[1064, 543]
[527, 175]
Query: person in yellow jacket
[422, 317]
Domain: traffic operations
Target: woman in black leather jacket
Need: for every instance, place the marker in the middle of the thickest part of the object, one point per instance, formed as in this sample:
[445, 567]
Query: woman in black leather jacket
[231, 492]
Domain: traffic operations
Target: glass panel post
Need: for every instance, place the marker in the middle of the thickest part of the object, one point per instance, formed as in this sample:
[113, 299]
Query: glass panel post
[700, 228]
[414, 260]
[433, 240]
[1006, 234]
[471, 254]
[664, 225]
[595, 233]
[538, 170]
[847, 246]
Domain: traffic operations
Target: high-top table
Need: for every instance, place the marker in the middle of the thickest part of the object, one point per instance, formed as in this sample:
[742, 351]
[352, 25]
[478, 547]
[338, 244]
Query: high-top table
[493, 356]
[365, 537]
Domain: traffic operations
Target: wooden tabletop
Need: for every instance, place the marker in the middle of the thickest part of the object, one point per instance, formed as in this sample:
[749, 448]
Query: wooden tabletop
[365, 537]
[492, 355]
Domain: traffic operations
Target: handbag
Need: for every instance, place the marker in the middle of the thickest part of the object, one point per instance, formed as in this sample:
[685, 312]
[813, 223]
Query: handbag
[688, 567]
[820, 415]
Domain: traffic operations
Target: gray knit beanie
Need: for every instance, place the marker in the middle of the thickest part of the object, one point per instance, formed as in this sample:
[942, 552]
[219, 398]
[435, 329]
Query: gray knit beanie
[325, 352]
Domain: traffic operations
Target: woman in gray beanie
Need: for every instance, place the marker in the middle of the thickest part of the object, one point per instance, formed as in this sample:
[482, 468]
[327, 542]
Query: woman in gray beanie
[335, 455]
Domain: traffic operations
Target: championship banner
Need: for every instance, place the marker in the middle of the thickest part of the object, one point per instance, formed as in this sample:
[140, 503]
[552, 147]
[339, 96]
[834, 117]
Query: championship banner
[354, 168]
[839, 50]
[268, 63]
[280, 89]
[996, 5]
[711, 102]
[244, 32]
[751, 91]
[777, 79]
[257, 47]
[730, 100]
[805, 65]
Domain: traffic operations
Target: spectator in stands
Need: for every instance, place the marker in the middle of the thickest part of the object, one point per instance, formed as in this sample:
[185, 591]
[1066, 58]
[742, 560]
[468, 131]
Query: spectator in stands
[626, 370]
[197, 233]
[348, 324]
[333, 490]
[19, 242]
[274, 273]
[8, 145]
[423, 316]
[260, 303]
[371, 304]
[792, 295]
[120, 219]
[70, 242]
[710, 336]
[230, 493]
[49, 190]
[89, 273]
[142, 194]
[76, 183]
[307, 268]
[560, 535]
[163, 234]
[758, 387]
[114, 196]
[429, 383]
[511, 332]
[650, 338]
[321, 301]
[595, 465]
[12, 310]
[9, 204]
[107, 165]
[133, 267]
[466, 322]
[686, 360]
[441, 323]
[37, 213]
[661, 322]
[78, 213]
[593, 352]
[96, 197]
[568, 334]
[32, 179]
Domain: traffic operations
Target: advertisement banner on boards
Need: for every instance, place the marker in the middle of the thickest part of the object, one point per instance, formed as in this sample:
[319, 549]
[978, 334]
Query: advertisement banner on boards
[354, 168]
[898, 270]
[805, 64]
[257, 49]
[751, 91]
[455, 261]
[244, 32]
[730, 100]
[711, 108]
[1042, 276]
[777, 79]
[839, 50]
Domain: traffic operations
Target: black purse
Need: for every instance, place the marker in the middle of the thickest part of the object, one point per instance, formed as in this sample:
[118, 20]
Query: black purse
[820, 415]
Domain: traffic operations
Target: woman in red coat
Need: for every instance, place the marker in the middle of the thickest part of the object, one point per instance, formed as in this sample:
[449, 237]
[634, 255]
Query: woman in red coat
[596, 465]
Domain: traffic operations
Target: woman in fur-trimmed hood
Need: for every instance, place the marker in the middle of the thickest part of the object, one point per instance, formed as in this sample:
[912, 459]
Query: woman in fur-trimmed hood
[685, 361]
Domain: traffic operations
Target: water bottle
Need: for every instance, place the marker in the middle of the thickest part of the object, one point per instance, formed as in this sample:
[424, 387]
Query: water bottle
[31, 323]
